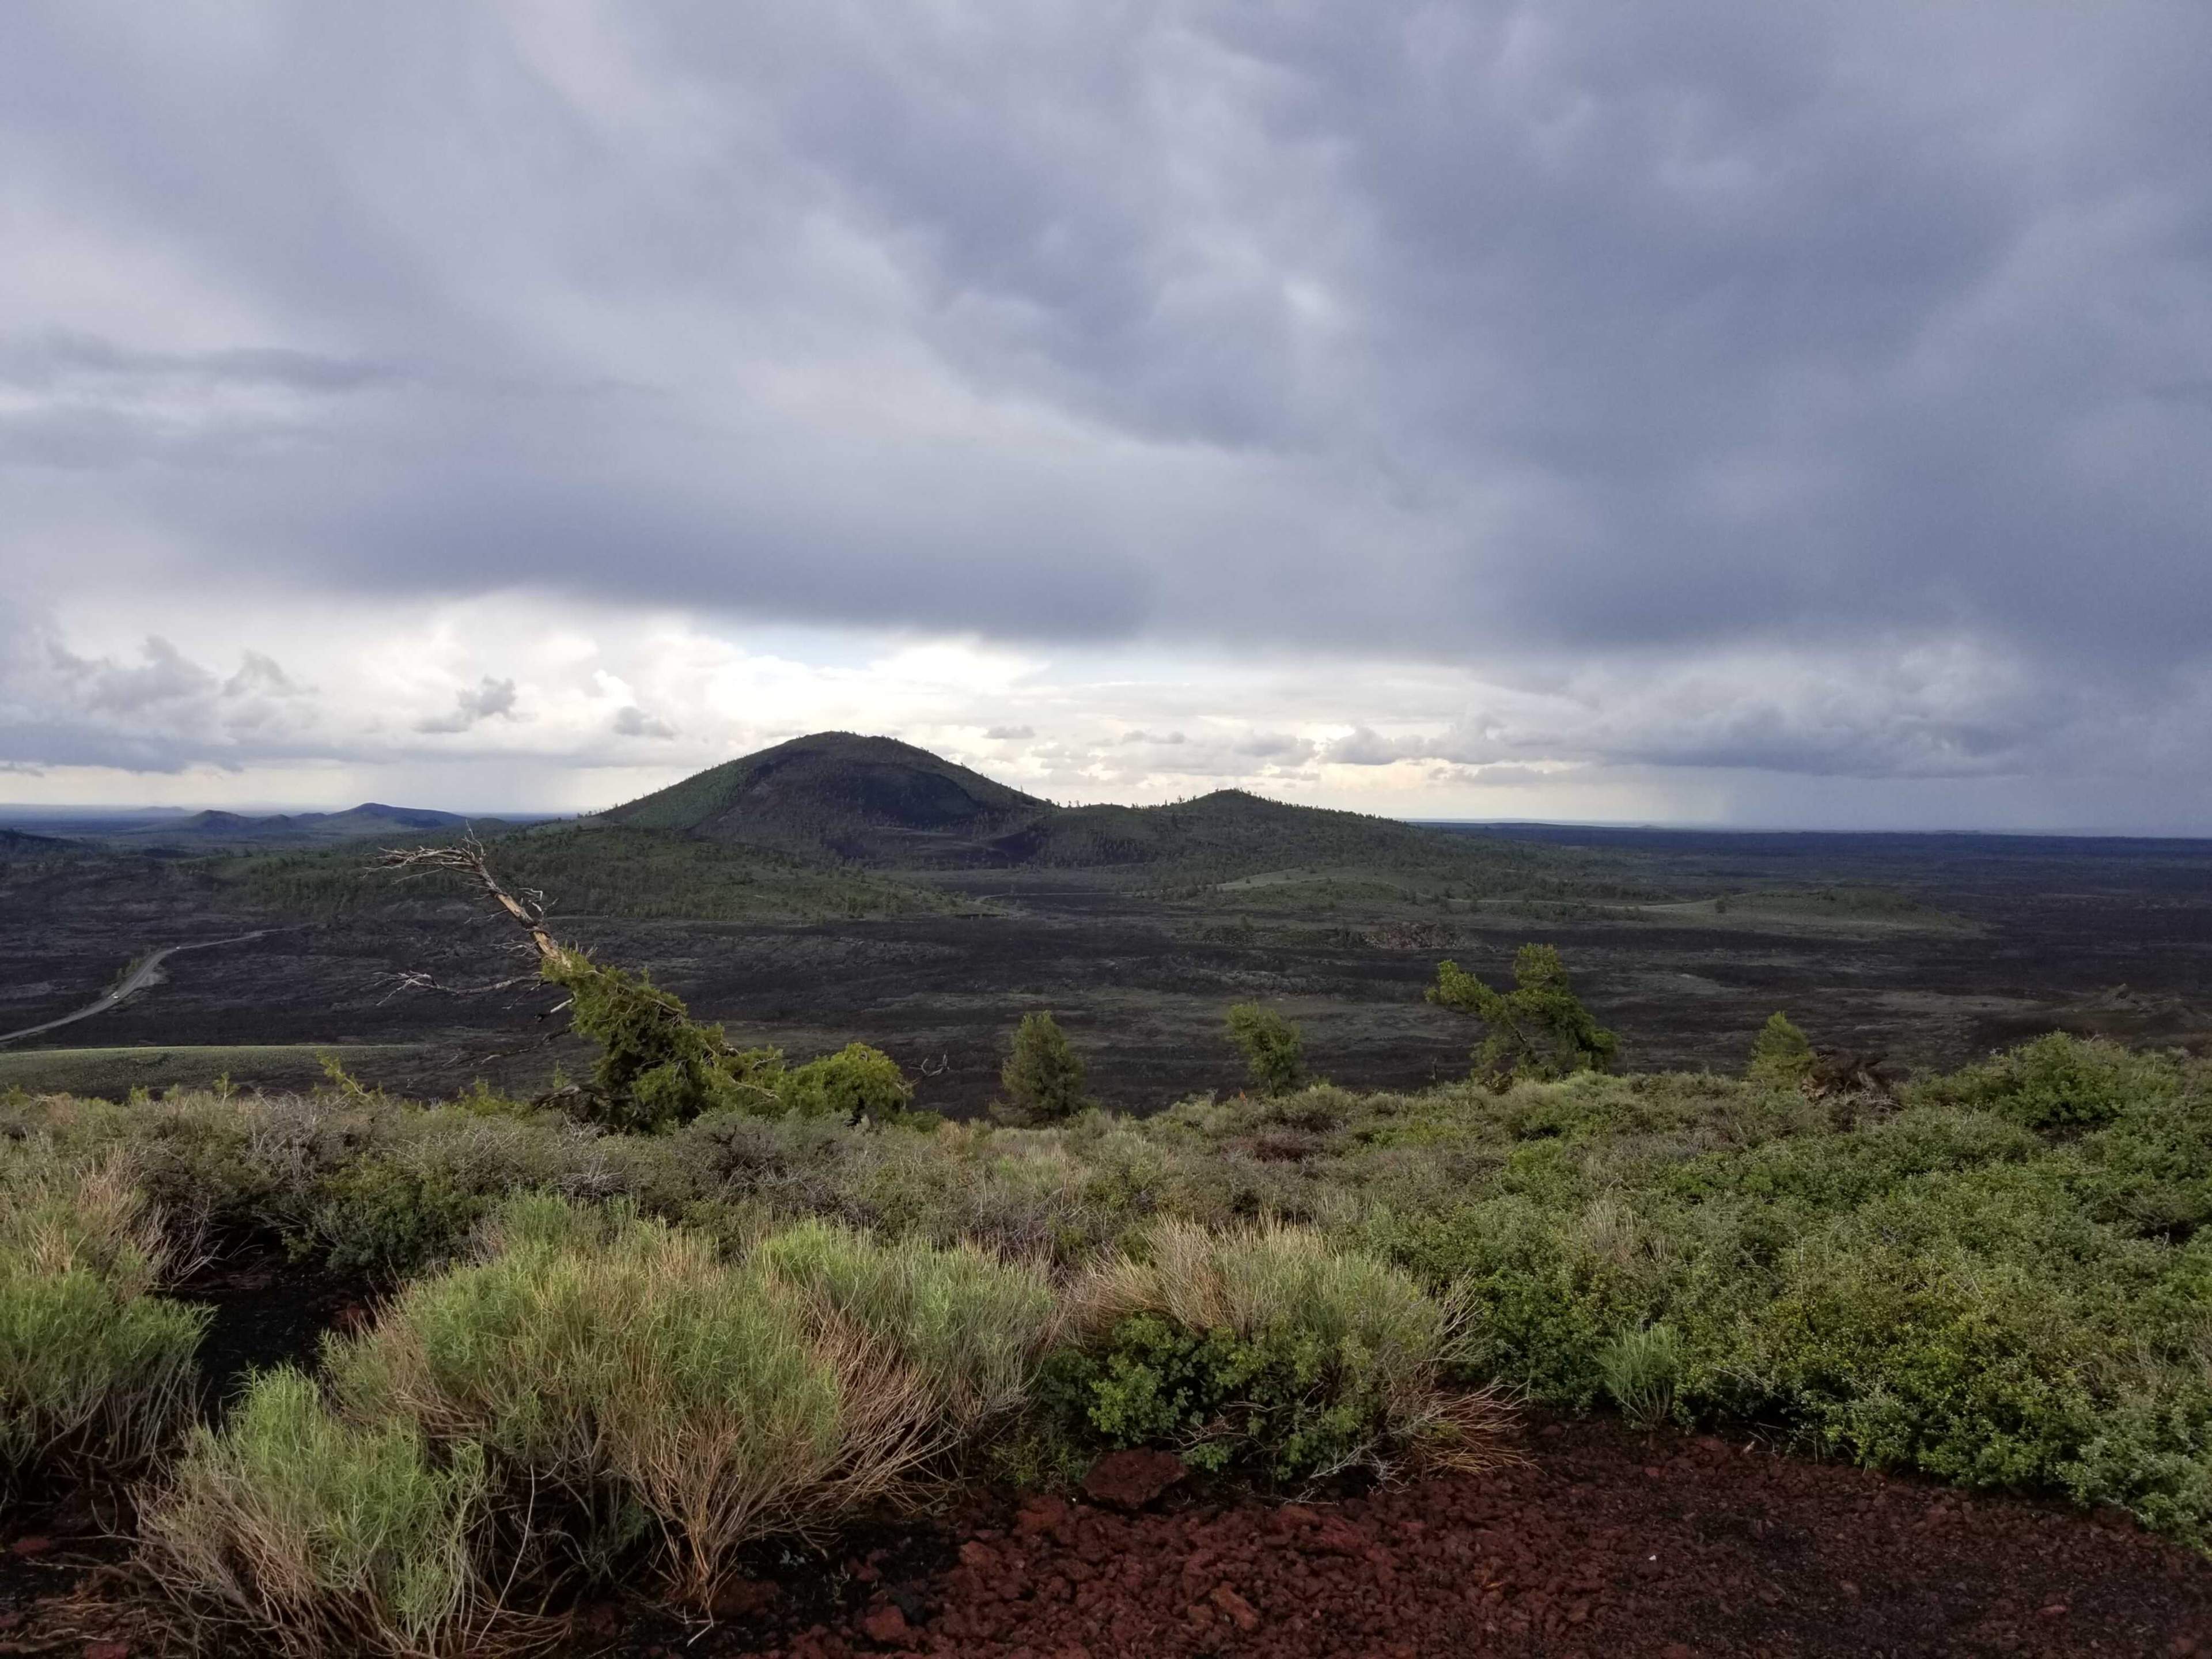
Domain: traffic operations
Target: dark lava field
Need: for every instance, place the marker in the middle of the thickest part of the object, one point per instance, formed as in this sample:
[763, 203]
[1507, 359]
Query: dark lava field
[1931, 949]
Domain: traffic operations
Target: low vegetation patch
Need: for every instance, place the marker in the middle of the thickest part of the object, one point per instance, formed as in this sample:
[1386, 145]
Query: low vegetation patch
[96, 1371]
[600, 1393]
[677, 1341]
[1267, 1350]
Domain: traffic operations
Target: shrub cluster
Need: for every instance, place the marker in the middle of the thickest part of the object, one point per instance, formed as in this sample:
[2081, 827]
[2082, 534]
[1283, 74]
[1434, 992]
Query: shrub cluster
[95, 1370]
[601, 1389]
[601, 1393]
[2005, 1283]
[1264, 1350]
[658, 1068]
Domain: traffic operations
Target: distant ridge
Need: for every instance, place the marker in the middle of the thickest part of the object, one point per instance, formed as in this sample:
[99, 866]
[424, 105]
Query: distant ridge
[370, 818]
[18, 844]
[879, 802]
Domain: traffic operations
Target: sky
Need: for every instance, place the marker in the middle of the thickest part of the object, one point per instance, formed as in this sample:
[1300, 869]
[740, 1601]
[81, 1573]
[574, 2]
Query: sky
[1720, 413]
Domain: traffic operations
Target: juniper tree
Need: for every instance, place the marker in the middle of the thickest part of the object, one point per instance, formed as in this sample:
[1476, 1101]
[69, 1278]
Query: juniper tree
[1538, 1029]
[1043, 1077]
[1781, 1058]
[1273, 1048]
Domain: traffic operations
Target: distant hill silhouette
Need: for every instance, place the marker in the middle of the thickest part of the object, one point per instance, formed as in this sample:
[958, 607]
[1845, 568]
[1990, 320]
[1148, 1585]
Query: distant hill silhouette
[18, 844]
[369, 820]
[879, 802]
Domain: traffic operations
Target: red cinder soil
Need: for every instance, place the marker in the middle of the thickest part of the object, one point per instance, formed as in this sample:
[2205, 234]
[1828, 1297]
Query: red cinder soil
[1603, 1543]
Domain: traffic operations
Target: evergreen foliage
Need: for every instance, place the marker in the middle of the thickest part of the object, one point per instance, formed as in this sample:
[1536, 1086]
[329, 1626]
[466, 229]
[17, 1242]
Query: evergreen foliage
[1043, 1077]
[1781, 1058]
[2060, 1081]
[1273, 1048]
[856, 1082]
[658, 1068]
[1539, 1031]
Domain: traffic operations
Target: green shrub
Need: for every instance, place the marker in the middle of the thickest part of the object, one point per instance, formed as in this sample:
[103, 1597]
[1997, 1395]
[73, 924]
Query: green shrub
[1042, 1078]
[659, 1390]
[974, 1326]
[1781, 1058]
[856, 1082]
[95, 1370]
[1274, 1048]
[1538, 1029]
[322, 1534]
[1267, 1351]
[2059, 1082]
[384, 1217]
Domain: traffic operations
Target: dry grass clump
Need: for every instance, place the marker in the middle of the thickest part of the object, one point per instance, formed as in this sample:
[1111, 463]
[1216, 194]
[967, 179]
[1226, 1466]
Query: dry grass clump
[95, 1369]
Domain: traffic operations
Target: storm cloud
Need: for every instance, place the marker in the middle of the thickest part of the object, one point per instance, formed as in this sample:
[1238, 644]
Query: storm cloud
[1807, 390]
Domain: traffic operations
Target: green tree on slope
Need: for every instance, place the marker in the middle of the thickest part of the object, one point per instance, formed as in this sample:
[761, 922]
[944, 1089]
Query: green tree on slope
[1780, 1056]
[1537, 1031]
[1043, 1077]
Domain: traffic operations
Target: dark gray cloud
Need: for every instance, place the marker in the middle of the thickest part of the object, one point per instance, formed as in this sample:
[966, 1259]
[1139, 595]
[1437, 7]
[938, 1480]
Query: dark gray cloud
[1842, 337]
[490, 699]
[631, 722]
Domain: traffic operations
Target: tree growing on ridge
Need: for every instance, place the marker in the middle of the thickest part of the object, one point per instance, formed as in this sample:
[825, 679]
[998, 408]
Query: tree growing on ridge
[1537, 1031]
[1273, 1048]
[1042, 1078]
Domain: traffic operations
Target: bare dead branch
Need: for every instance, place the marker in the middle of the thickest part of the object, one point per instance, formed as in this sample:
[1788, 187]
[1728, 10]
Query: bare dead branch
[408, 979]
[527, 909]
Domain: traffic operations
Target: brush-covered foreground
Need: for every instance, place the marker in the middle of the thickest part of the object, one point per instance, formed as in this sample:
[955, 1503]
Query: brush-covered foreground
[614, 1352]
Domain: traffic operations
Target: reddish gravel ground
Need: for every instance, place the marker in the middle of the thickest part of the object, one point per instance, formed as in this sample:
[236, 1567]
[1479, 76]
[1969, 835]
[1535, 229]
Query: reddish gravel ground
[1603, 1543]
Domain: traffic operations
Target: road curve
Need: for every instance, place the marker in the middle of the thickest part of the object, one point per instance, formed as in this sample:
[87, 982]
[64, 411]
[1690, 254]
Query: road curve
[148, 972]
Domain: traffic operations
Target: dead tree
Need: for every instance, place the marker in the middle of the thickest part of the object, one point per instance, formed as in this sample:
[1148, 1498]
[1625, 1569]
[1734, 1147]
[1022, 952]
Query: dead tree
[657, 1065]
[1854, 1086]
[526, 909]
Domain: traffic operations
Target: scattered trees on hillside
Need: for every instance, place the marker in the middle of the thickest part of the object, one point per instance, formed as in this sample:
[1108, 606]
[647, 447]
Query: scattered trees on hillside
[658, 1066]
[1273, 1048]
[1042, 1078]
[1537, 1031]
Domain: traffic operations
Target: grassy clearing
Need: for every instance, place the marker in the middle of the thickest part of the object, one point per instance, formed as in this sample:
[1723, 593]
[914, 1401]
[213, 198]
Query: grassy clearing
[95, 1370]
[113, 1073]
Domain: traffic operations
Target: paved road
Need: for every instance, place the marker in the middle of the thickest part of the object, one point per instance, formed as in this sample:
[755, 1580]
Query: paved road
[148, 972]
